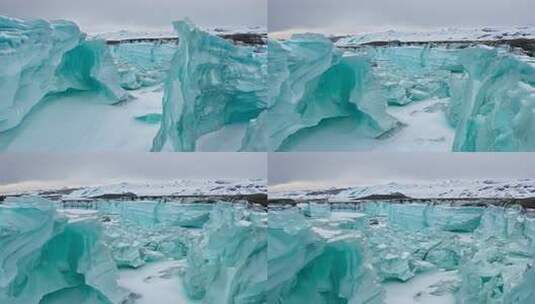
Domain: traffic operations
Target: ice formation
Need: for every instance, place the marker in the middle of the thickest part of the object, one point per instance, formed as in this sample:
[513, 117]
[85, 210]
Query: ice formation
[493, 101]
[310, 82]
[46, 258]
[317, 263]
[211, 83]
[486, 252]
[42, 59]
[227, 264]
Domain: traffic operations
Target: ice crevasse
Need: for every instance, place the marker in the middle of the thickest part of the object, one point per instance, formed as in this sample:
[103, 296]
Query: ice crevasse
[41, 58]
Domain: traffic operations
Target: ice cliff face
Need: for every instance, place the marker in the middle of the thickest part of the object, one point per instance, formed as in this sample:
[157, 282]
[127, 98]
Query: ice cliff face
[493, 101]
[40, 59]
[227, 264]
[212, 83]
[46, 258]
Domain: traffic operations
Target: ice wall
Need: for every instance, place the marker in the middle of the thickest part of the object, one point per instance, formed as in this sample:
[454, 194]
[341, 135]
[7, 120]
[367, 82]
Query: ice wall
[46, 258]
[212, 83]
[310, 82]
[492, 101]
[227, 264]
[40, 59]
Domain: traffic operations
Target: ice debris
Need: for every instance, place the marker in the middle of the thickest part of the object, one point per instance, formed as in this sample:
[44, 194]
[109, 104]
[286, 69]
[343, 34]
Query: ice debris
[311, 82]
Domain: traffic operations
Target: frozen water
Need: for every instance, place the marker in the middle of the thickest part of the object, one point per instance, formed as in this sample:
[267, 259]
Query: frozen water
[41, 59]
[212, 83]
[46, 258]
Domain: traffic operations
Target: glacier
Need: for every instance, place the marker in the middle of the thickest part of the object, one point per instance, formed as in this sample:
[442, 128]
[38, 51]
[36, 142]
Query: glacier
[43, 59]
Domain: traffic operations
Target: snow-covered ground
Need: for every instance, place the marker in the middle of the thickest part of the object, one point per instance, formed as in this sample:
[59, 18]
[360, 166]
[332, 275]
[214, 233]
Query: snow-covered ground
[488, 188]
[435, 287]
[81, 122]
[155, 283]
[424, 128]
[442, 34]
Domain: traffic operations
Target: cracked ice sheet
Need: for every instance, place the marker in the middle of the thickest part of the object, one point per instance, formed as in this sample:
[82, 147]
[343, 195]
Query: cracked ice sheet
[418, 289]
[78, 122]
[426, 129]
[155, 283]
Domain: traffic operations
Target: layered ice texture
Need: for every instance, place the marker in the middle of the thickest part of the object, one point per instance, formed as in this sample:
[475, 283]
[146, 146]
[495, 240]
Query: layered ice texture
[493, 101]
[47, 258]
[310, 82]
[42, 59]
[212, 84]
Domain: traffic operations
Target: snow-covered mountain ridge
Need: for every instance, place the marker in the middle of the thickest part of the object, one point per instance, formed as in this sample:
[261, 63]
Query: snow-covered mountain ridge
[487, 188]
[443, 34]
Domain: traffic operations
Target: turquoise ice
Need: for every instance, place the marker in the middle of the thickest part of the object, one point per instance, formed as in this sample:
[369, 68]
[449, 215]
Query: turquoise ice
[212, 83]
[46, 258]
[41, 59]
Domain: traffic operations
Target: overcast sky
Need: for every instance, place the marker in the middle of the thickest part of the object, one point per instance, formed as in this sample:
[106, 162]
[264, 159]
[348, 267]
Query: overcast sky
[350, 16]
[319, 170]
[98, 15]
[51, 170]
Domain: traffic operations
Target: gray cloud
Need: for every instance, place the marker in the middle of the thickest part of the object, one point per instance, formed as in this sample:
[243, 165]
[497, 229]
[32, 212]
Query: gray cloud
[332, 169]
[102, 167]
[351, 16]
[96, 14]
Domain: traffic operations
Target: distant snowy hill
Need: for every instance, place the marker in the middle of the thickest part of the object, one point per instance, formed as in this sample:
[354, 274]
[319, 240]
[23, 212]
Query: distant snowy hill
[134, 34]
[445, 34]
[488, 188]
[178, 187]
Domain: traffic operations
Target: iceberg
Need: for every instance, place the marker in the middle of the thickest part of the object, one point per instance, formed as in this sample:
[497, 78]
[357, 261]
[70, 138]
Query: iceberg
[212, 83]
[42, 59]
[47, 258]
